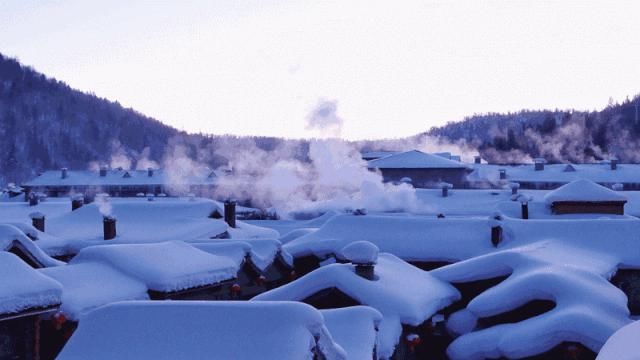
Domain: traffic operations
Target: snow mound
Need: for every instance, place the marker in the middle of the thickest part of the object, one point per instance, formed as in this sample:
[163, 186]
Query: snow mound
[201, 330]
[23, 288]
[11, 234]
[623, 345]
[189, 267]
[583, 190]
[402, 293]
[588, 309]
[361, 252]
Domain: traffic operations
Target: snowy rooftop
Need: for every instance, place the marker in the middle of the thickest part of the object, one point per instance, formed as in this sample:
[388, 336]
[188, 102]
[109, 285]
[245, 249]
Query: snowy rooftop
[403, 294]
[583, 190]
[15, 233]
[408, 237]
[415, 159]
[201, 330]
[623, 344]
[23, 288]
[354, 329]
[558, 173]
[119, 177]
[168, 266]
[87, 285]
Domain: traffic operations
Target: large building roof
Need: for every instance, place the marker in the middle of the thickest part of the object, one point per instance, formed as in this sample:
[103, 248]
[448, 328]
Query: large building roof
[415, 159]
[120, 177]
[583, 190]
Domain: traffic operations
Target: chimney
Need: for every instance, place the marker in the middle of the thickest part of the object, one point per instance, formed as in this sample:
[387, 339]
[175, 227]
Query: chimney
[364, 256]
[149, 172]
[514, 188]
[230, 213]
[103, 170]
[538, 164]
[524, 206]
[76, 202]
[503, 174]
[477, 159]
[496, 230]
[33, 199]
[109, 227]
[614, 163]
[37, 220]
[63, 173]
[445, 189]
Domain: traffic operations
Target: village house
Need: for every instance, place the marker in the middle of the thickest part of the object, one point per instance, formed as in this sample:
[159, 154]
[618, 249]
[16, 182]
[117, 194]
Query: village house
[119, 182]
[26, 298]
[422, 170]
[408, 298]
[585, 196]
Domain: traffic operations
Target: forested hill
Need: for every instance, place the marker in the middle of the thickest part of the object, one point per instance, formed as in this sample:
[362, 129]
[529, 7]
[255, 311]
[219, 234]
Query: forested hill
[557, 136]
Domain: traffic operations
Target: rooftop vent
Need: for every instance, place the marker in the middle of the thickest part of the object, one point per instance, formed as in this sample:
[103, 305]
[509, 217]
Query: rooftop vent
[538, 164]
[103, 170]
[614, 163]
[503, 174]
[569, 168]
[63, 173]
[477, 159]
[514, 188]
[37, 220]
[230, 213]
[445, 188]
[149, 172]
[109, 227]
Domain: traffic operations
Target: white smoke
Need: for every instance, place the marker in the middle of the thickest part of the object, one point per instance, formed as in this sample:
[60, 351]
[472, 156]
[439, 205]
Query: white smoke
[324, 118]
[144, 162]
[104, 205]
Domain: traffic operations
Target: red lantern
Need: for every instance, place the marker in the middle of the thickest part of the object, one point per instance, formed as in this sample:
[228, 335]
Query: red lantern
[292, 275]
[58, 319]
[413, 340]
[235, 289]
[260, 280]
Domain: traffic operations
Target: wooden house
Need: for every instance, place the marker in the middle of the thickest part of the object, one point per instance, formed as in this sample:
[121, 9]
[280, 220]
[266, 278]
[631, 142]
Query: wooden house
[585, 196]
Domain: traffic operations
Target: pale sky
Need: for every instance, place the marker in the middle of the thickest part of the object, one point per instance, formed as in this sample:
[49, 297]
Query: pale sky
[395, 68]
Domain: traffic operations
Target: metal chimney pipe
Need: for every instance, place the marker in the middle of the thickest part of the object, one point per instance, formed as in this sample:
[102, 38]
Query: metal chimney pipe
[63, 173]
[496, 235]
[230, 213]
[614, 164]
[77, 202]
[503, 174]
[103, 171]
[149, 172]
[524, 206]
[109, 227]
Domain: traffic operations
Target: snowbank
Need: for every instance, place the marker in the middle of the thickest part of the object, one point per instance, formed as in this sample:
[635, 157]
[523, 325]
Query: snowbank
[23, 288]
[169, 266]
[623, 345]
[403, 294]
[201, 330]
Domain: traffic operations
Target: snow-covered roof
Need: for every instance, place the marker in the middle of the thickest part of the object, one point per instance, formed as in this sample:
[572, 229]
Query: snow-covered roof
[23, 288]
[119, 177]
[556, 173]
[623, 344]
[261, 251]
[201, 330]
[411, 238]
[403, 294]
[87, 285]
[414, 159]
[168, 266]
[583, 190]
[10, 233]
[354, 329]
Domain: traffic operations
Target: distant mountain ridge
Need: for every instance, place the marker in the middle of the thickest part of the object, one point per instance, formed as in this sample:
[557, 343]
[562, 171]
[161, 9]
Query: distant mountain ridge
[45, 124]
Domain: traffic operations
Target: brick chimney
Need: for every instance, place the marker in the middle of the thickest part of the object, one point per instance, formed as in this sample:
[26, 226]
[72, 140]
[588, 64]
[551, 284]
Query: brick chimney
[614, 163]
[230, 213]
[514, 188]
[37, 220]
[503, 174]
[364, 256]
[445, 189]
[149, 172]
[109, 227]
[496, 230]
[524, 207]
[77, 201]
[538, 164]
[63, 173]
[103, 170]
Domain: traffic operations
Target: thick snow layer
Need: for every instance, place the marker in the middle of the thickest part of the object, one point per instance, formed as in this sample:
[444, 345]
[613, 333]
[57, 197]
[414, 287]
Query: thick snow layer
[237, 251]
[168, 266]
[19, 211]
[410, 238]
[87, 285]
[403, 294]
[354, 329]
[588, 308]
[10, 233]
[138, 221]
[361, 252]
[245, 230]
[23, 288]
[201, 330]
[294, 234]
[262, 252]
[414, 159]
[623, 345]
[583, 190]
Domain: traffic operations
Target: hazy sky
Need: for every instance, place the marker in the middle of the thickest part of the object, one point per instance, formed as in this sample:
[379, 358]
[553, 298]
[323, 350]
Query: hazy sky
[394, 68]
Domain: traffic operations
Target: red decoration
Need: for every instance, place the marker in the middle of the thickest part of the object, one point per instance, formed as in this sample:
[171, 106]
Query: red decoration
[235, 289]
[260, 280]
[413, 340]
[58, 319]
[292, 275]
